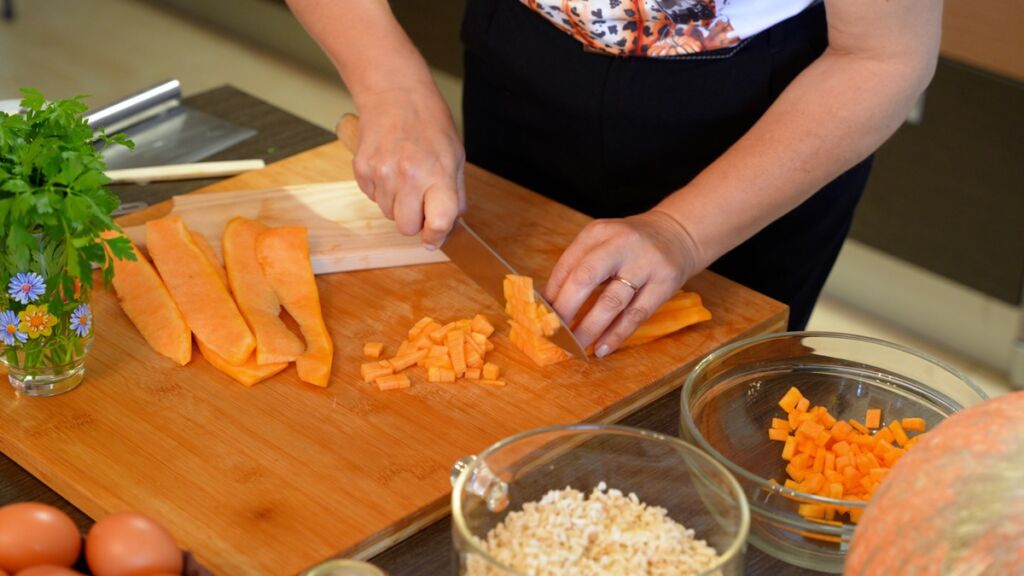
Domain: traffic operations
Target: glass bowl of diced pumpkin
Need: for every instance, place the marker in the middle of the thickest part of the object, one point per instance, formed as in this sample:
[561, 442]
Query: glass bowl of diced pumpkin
[810, 423]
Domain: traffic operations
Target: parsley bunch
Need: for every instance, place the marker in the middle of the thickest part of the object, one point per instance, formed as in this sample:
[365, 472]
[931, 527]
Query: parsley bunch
[54, 203]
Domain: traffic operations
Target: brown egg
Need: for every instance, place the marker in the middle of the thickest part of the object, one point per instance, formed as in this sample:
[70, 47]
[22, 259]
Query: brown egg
[32, 533]
[49, 570]
[131, 544]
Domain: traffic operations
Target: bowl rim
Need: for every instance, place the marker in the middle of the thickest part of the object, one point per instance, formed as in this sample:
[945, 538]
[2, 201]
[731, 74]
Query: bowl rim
[687, 417]
[458, 521]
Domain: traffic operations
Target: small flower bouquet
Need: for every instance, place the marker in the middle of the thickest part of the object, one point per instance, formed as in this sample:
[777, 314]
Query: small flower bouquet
[54, 206]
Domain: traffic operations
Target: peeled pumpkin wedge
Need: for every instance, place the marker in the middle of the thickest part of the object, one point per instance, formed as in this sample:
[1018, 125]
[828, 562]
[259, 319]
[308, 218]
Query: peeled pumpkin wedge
[665, 322]
[204, 246]
[248, 373]
[283, 253]
[256, 299]
[147, 303]
[197, 290]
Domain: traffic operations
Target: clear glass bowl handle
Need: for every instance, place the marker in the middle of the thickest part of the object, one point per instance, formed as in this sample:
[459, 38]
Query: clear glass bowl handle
[482, 482]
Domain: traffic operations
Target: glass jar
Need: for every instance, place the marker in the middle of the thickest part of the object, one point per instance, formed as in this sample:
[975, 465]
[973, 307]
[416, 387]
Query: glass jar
[661, 471]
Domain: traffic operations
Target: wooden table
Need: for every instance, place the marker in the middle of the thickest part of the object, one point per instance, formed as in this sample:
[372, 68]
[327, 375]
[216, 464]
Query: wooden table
[428, 551]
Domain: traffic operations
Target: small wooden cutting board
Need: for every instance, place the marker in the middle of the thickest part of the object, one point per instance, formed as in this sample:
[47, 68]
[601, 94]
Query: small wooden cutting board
[346, 229]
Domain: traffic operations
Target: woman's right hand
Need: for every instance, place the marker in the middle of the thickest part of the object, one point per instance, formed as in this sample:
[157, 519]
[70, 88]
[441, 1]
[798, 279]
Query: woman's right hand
[410, 161]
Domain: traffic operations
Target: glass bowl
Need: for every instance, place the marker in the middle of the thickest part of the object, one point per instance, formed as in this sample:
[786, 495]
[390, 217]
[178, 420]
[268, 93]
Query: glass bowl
[662, 471]
[729, 399]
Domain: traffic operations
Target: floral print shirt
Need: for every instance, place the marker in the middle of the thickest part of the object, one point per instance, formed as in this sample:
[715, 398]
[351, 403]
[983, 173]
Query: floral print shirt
[664, 28]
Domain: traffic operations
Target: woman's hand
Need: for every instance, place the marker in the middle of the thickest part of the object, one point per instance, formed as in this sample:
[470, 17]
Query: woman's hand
[651, 251]
[410, 161]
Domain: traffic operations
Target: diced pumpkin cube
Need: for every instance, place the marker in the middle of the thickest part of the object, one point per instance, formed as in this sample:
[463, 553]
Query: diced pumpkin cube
[392, 382]
[406, 360]
[790, 399]
[373, 370]
[873, 418]
[482, 326]
[776, 434]
[914, 424]
[373, 349]
[472, 374]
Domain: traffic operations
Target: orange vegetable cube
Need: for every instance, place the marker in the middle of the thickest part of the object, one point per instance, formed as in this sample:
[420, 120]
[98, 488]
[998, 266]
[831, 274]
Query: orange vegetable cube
[373, 349]
[482, 326]
[822, 438]
[841, 448]
[841, 429]
[780, 424]
[885, 434]
[776, 434]
[473, 358]
[873, 418]
[813, 482]
[789, 401]
[472, 373]
[456, 351]
[898, 432]
[437, 351]
[403, 361]
[914, 424]
[419, 327]
[405, 348]
[789, 450]
[795, 473]
[491, 371]
[392, 382]
[830, 461]
[791, 484]
[809, 430]
[835, 490]
[801, 460]
[802, 405]
[858, 426]
[439, 334]
[373, 370]
[439, 374]
[819, 460]
[811, 510]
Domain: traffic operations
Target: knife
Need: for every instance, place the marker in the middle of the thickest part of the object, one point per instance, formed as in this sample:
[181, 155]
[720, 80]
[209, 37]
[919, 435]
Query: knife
[467, 250]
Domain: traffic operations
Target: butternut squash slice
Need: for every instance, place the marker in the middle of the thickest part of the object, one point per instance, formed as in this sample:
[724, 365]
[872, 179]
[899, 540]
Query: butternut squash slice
[147, 303]
[248, 373]
[283, 254]
[255, 297]
[218, 265]
[195, 287]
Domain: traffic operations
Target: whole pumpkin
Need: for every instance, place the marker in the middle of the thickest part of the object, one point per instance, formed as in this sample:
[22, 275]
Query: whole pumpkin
[954, 504]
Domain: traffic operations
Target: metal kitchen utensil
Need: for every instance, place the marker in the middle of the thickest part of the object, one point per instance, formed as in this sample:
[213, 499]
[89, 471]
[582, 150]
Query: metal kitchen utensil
[164, 130]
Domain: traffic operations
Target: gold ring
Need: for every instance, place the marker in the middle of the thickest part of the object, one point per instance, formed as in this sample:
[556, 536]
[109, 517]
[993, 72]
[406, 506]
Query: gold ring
[629, 284]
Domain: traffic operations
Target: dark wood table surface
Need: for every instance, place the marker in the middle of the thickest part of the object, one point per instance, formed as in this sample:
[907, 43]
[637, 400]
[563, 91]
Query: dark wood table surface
[279, 135]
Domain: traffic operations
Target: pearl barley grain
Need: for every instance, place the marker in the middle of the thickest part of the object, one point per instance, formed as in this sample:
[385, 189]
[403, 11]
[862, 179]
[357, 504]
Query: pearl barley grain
[600, 534]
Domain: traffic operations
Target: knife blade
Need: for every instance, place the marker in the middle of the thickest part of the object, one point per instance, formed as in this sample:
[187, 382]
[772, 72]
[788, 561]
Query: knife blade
[467, 250]
[473, 256]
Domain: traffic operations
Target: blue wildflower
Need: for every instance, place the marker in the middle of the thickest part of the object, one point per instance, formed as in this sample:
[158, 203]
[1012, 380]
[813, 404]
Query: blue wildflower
[26, 287]
[9, 332]
[81, 320]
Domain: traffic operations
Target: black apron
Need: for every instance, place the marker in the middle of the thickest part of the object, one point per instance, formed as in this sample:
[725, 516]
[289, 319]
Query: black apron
[612, 136]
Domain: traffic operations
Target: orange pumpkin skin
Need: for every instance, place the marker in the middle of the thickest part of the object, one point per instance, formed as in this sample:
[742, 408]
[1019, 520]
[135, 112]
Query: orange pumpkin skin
[954, 504]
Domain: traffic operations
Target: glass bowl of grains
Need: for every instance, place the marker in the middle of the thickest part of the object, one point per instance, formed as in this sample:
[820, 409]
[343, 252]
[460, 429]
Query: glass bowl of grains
[809, 469]
[594, 500]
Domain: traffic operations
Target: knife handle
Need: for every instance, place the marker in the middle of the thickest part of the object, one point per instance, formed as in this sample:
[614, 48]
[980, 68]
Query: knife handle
[348, 131]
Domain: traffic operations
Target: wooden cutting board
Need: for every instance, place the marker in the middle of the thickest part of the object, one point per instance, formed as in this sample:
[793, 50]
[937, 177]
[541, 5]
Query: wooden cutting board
[347, 231]
[274, 478]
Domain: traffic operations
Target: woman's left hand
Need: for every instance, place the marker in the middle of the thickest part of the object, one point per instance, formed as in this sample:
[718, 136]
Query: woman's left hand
[652, 252]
